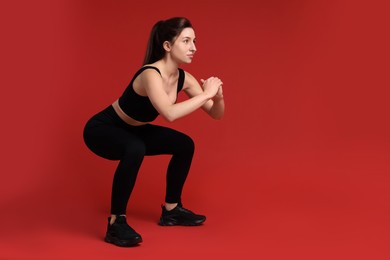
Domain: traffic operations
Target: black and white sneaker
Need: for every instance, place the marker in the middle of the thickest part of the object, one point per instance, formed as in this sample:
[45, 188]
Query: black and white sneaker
[121, 234]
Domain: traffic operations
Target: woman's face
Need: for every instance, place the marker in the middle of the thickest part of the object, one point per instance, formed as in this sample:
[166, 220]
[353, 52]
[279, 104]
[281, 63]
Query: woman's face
[183, 48]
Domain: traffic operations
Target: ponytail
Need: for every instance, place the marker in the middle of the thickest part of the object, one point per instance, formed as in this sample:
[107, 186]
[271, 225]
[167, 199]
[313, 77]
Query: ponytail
[162, 31]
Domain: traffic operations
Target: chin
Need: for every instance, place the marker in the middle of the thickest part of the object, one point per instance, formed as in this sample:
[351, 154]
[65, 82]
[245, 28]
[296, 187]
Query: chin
[185, 61]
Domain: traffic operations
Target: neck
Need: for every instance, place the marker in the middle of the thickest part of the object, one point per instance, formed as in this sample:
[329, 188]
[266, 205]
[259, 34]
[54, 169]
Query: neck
[168, 66]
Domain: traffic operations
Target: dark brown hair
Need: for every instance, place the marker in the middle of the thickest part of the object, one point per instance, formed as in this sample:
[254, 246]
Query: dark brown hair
[162, 31]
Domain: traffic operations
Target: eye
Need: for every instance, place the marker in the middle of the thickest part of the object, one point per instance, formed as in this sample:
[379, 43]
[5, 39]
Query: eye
[186, 41]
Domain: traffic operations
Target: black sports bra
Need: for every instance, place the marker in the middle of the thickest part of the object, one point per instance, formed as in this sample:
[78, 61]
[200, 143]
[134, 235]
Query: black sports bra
[139, 107]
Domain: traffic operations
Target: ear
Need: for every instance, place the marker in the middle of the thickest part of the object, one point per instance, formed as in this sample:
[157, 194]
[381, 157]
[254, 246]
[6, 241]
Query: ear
[167, 46]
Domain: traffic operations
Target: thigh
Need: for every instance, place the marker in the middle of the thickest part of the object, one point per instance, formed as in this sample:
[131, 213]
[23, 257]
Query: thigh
[164, 140]
[111, 141]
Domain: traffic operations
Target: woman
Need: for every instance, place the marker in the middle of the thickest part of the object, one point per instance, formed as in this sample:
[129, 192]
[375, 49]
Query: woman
[123, 131]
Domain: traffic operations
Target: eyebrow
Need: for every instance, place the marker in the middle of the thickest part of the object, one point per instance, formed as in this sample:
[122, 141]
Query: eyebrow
[187, 37]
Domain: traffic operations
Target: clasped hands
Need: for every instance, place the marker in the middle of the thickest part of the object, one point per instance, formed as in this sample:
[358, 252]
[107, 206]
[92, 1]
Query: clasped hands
[213, 87]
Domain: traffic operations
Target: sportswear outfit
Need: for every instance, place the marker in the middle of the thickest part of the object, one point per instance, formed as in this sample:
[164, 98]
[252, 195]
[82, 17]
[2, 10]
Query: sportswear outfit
[108, 136]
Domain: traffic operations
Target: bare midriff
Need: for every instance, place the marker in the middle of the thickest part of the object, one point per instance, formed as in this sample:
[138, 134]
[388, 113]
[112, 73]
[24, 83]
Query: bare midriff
[125, 117]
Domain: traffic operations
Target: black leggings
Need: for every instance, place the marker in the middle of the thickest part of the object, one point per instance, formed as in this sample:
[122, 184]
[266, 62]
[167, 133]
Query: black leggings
[110, 137]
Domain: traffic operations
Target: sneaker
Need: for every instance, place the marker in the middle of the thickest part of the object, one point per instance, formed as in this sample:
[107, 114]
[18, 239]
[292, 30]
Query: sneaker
[121, 234]
[180, 216]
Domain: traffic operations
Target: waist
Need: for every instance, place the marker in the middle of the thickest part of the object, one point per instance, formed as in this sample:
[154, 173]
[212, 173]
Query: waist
[125, 117]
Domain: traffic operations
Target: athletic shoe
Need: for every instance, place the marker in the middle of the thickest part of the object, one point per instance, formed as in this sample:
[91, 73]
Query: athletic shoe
[180, 216]
[121, 234]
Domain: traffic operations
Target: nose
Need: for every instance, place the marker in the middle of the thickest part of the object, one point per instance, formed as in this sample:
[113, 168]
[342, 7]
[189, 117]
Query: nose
[193, 47]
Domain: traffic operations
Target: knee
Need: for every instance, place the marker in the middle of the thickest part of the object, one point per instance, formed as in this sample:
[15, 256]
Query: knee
[135, 151]
[186, 144]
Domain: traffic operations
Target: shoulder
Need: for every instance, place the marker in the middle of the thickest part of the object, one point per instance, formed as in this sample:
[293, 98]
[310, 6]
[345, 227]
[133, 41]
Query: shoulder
[146, 77]
[188, 75]
[147, 73]
[189, 80]
[148, 69]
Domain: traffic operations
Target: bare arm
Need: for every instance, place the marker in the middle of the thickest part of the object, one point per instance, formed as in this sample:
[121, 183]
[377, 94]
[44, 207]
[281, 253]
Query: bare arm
[215, 106]
[153, 85]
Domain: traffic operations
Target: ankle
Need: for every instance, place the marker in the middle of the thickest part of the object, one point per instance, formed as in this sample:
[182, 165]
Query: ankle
[170, 206]
[113, 218]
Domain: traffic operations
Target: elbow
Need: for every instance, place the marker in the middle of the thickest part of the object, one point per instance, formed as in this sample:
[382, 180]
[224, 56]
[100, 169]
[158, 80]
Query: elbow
[167, 114]
[217, 117]
[217, 114]
[169, 117]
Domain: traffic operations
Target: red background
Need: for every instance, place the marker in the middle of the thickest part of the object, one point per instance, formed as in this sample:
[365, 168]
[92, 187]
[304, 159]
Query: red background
[297, 169]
